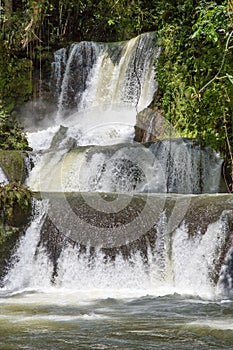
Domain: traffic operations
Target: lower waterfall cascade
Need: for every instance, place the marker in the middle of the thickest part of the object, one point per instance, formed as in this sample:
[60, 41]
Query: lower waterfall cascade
[130, 244]
[167, 255]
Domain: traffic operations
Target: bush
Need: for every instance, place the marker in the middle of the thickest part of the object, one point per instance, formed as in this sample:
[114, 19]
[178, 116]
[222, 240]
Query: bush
[11, 134]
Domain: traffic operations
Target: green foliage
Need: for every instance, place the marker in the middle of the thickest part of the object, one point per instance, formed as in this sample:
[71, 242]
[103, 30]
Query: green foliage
[11, 134]
[101, 20]
[15, 80]
[212, 20]
[13, 197]
[6, 233]
[13, 165]
[15, 68]
[195, 71]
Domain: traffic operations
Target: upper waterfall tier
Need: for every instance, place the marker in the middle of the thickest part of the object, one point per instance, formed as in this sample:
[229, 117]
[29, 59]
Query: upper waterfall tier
[96, 74]
[99, 88]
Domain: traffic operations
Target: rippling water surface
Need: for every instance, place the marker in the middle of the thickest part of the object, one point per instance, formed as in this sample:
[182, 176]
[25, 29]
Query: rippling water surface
[65, 319]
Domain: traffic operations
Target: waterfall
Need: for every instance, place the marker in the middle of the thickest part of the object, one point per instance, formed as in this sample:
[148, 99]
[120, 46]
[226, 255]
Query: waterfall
[164, 264]
[177, 166]
[58, 68]
[99, 89]
[113, 213]
[106, 75]
[30, 267]
[3, 178]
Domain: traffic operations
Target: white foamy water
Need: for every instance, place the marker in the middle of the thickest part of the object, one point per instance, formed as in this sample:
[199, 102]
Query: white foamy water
[175, 166]
[92, 300]
[41, 140]
[178, 264]
[31, 267]
[205, 250]
[222, 324]
[3, 178]
[100, 88]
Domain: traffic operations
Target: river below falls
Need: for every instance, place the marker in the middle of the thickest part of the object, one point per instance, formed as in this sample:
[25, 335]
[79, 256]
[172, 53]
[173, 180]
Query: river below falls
[113, 319]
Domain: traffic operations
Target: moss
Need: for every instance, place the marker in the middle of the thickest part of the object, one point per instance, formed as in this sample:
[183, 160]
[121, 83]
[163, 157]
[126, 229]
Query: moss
[15, 205]
[13, 165]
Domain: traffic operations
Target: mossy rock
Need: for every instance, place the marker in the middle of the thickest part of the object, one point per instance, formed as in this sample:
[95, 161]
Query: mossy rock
[20, 217]
[12, 226]
[13, 165]
[15, 205]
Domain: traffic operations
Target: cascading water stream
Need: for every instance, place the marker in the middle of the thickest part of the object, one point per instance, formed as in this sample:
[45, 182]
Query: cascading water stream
[177, 166]
[111, 74]
[3, 178]
[99, 87]
[102, 84]
[174, 264]
[125, 249]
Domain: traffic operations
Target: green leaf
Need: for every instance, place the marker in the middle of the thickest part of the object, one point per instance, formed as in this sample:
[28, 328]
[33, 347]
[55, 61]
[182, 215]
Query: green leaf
[111, 22]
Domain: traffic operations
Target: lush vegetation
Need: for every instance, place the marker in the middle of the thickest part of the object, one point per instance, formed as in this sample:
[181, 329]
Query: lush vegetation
[13, 195]
[12, 136]
[32, 29]
[195, 69]
[14, 198]
[15, 207]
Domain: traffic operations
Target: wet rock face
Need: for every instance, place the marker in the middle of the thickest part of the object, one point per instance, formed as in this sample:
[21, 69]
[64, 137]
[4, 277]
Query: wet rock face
[10, 232]
[87, 229]
[11, 229]
[55, 241]
[151, 126]
[143, 120]
[13, 164]
[7, 248]
[60, 140]
[73, 221]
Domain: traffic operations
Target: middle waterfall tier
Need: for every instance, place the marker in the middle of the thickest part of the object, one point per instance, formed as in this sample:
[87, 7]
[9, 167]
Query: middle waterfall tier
[173, 166]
